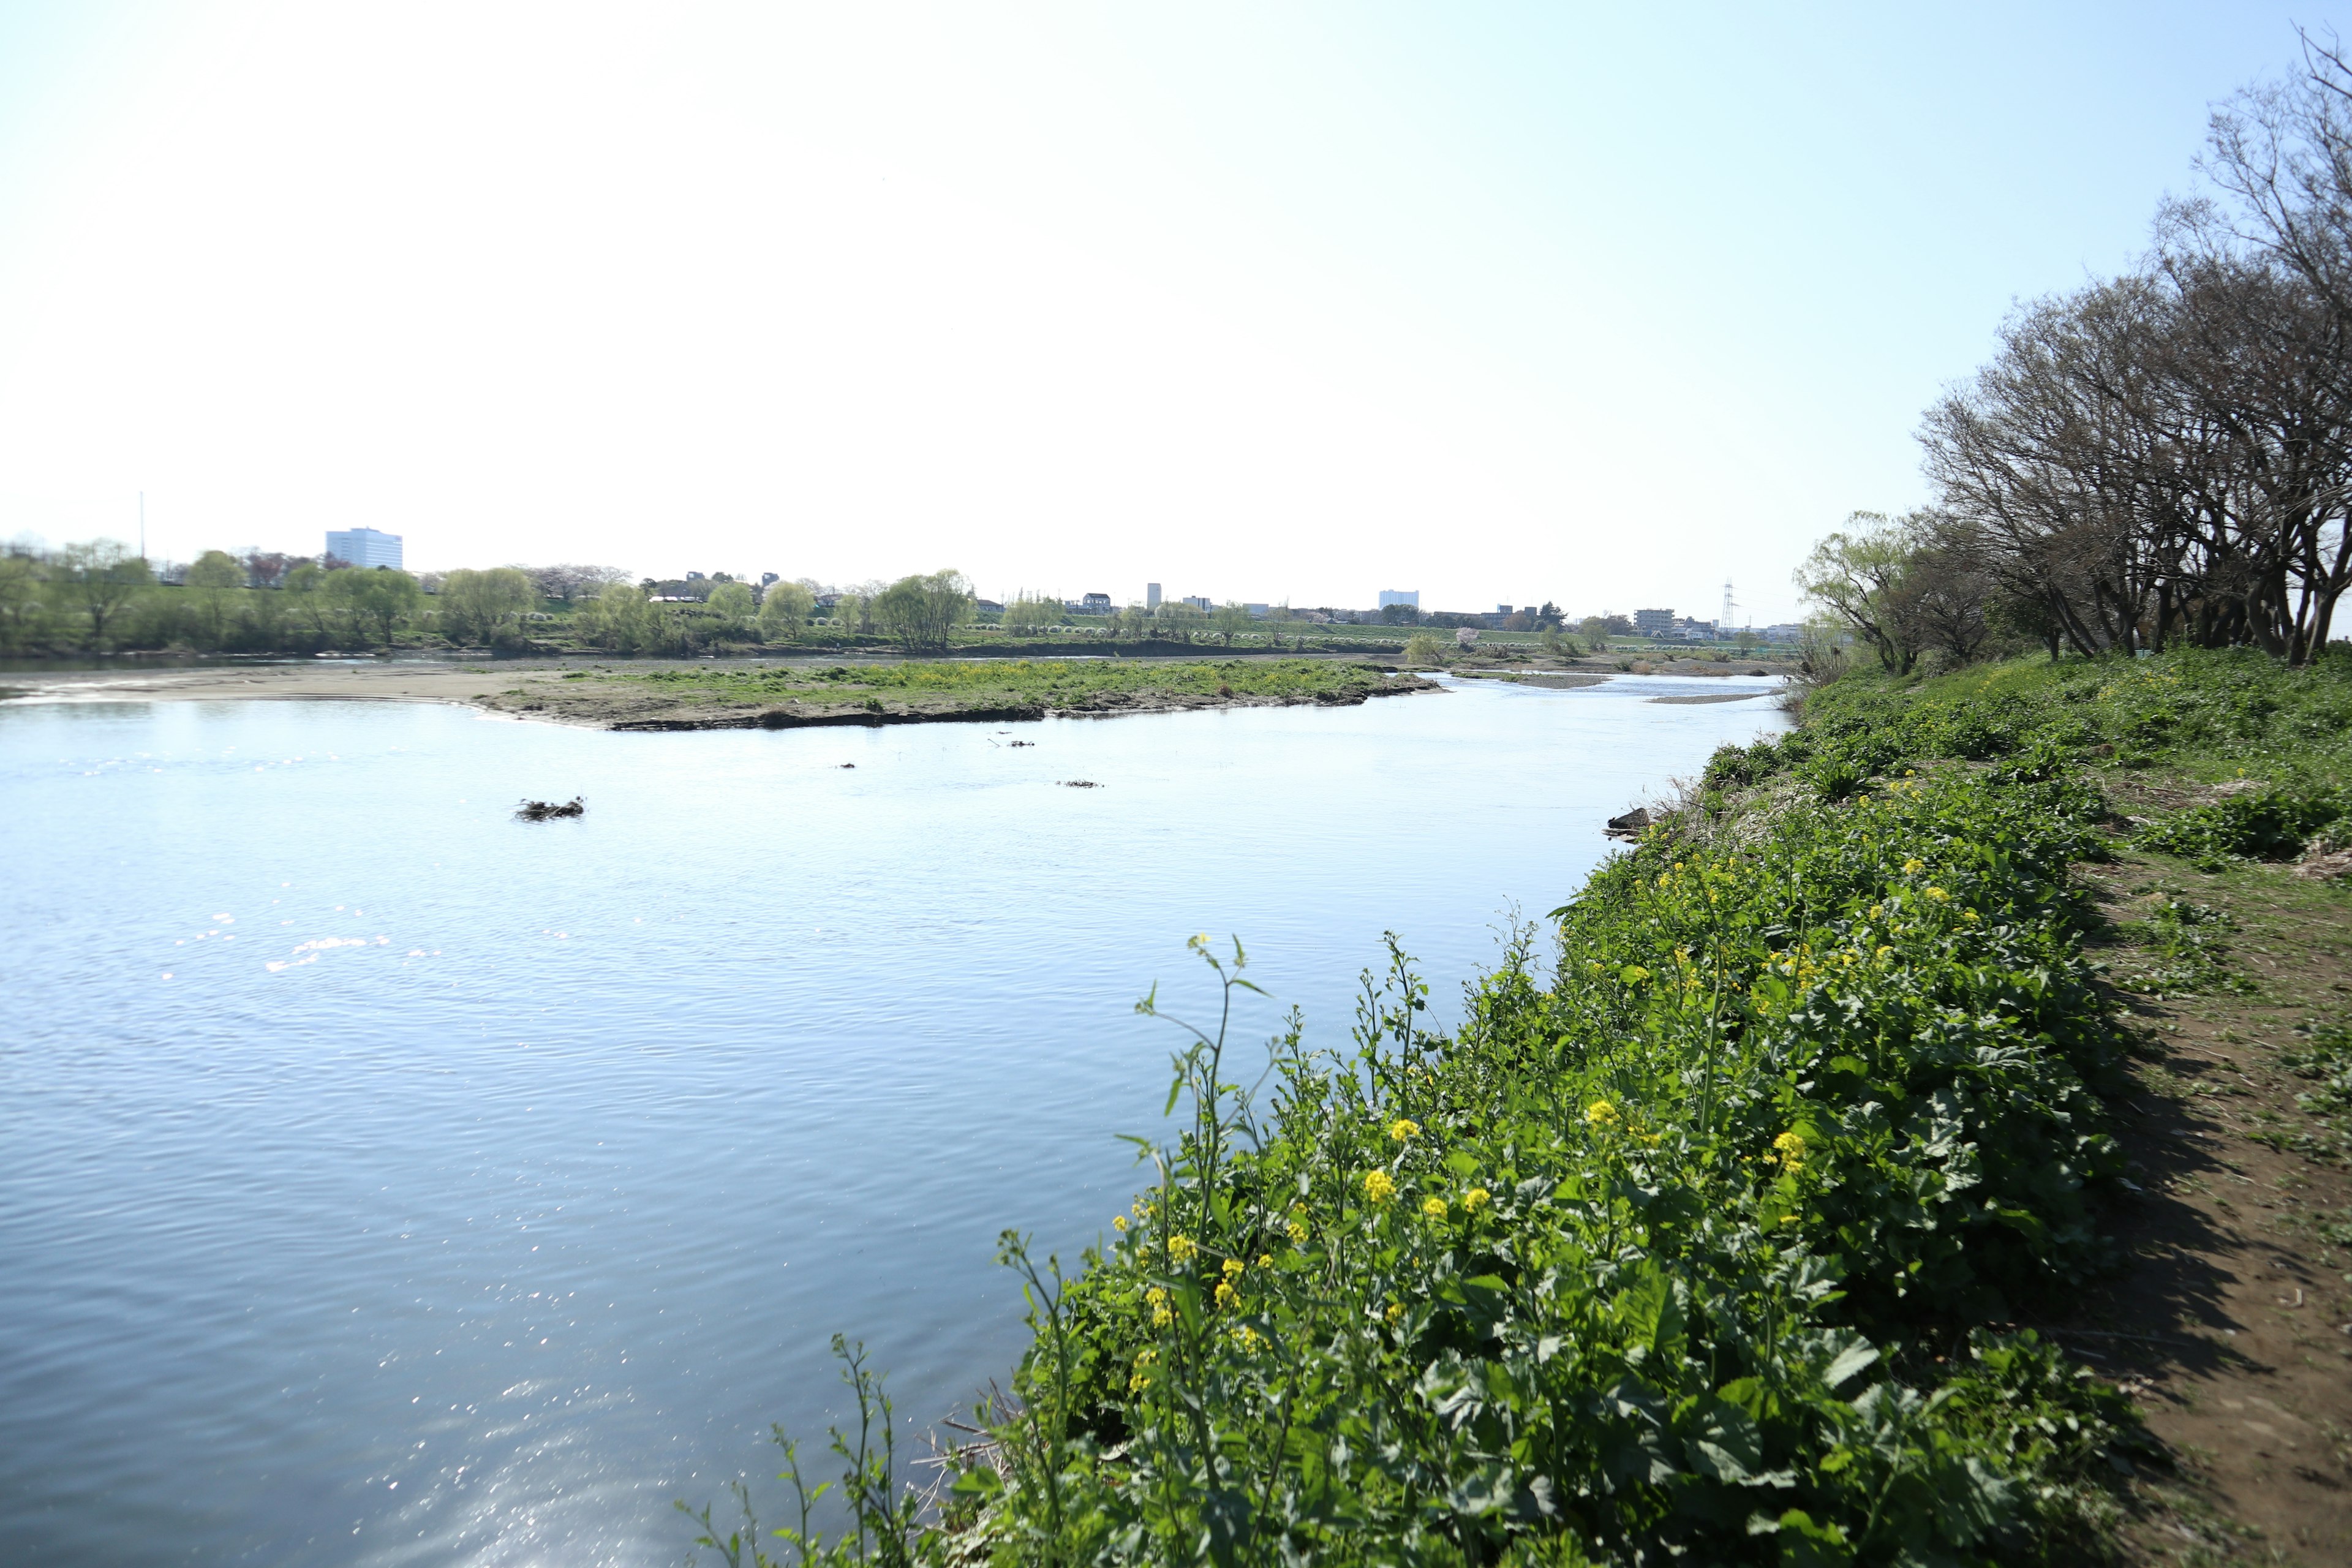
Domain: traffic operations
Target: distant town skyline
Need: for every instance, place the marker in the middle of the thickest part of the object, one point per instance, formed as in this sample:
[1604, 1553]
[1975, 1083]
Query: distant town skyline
[1617, 301]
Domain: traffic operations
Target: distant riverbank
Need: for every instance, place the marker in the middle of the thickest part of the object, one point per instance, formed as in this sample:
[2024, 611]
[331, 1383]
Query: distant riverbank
[700, 694]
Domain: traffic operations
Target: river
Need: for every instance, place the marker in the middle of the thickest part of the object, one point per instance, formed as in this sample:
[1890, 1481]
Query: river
[384, 1180]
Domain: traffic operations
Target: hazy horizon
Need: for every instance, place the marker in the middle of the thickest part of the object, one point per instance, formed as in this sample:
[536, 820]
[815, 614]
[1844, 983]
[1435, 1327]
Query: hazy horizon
[1497, 302]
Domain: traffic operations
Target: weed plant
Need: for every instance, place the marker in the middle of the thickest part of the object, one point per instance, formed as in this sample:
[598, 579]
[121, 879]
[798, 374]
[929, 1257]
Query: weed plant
[1694, 1241]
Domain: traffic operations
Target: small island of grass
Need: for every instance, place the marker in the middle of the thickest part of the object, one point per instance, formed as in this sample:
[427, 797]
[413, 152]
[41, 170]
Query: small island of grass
[785, 697]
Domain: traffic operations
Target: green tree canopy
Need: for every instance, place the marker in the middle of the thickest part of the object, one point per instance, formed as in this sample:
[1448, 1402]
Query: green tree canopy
[784, 609]
[1029, 614]
[98, 578]
[1863, 576]
[379, 599]
[921, 611]
[1232, 619]
[730, 605]
[623, 619]
[483, 607]
[216, 569]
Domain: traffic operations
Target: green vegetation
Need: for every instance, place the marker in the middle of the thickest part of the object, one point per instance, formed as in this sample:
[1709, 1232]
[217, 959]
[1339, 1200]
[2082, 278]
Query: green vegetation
[1001, 683]
[1706, 1234]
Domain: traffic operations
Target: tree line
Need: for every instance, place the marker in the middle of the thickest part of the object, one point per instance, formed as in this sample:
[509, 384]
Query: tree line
[2156, 459]
[97, 597]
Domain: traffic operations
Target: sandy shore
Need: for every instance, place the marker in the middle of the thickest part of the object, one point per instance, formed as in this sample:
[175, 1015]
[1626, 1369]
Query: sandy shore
[386, 681]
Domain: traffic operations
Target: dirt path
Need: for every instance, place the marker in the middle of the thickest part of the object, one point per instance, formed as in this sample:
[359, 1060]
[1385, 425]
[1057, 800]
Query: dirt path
[2233, 1324]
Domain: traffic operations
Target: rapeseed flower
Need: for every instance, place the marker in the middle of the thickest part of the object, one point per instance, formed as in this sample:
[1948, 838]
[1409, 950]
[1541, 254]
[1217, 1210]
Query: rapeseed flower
[1265, 1260]
[1396, 1310]
[1403, 1131]
[1378, 1187]
[1789, 1152]
[1297, 1228]
[1232, 1268]
[1226, 1295]
[1600, 1113]
[1912, 868]
[1118, 1222]
[1474, 1199]
[1181, 1247]
[1936, 893]
[1433, 1208]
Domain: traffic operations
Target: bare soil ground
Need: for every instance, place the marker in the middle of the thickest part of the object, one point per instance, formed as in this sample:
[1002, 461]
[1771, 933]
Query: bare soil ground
[2231, 1324]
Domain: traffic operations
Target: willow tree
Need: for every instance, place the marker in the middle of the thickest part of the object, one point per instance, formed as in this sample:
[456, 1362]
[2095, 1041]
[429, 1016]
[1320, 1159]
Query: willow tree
[784, 610]
[921, 612]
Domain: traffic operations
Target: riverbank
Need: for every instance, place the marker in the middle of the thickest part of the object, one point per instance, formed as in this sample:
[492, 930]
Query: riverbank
[1825, 1195]
[701, 694]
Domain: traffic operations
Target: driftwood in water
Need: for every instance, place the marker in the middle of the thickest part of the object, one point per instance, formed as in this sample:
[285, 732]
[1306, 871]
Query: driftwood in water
[541, 810]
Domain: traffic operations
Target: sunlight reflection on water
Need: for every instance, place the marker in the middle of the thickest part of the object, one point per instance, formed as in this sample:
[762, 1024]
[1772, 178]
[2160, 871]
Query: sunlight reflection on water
[382, 1180]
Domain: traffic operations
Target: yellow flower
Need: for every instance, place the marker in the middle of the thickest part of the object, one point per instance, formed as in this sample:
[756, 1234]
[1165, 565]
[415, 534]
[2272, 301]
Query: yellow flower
[1161, 1317]
[1474, 1199]
[1913, 868]
[1600, 1113]
[1401, 1130]
[1265, 1260]
[1156, 1295]
[1118, 1222]
[1396, 1310]
[1969, 916]
[1226, 1294]
[1298, 1229]
[1877, 910]
[1378, 1188]
[1181, 1247]
[1232, 1268]
[1434, 1208]
[1249, 1339]
[1885, 951]
[1936, 893]
[1788, 1151]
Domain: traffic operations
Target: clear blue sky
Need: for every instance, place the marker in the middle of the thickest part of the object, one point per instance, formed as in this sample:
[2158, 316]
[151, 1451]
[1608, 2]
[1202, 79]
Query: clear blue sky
[1500, 302]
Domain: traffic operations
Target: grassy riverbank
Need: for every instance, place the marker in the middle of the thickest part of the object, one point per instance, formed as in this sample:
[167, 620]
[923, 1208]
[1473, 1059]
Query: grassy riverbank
[778, 697]
[1715, 1230]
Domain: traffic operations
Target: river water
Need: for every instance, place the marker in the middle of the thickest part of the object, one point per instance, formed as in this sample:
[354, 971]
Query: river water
[386, 1181]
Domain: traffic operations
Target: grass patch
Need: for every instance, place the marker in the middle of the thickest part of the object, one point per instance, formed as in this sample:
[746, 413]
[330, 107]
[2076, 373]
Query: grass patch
[1069, 684]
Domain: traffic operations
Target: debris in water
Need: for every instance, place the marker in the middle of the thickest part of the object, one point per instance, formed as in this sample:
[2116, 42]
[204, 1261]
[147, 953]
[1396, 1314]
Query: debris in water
[1629, 826]
[1080, 784]
[1025, 742]
[849, 764]
[541, 810]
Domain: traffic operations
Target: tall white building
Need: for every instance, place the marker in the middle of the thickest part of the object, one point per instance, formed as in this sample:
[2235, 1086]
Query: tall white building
[1152, 595]
[1400, 596]
[364, 547]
